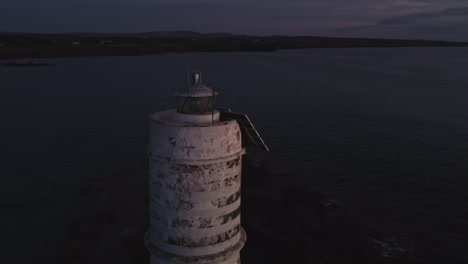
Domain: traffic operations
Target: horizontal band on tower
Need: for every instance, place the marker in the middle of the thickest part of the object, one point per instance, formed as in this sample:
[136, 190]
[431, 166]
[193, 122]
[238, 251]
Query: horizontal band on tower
[195, 187]
[179, 203]
[194, 161]
[206, 241]
[204, 219]
[161, 232]
[194, 258]
[161, 118]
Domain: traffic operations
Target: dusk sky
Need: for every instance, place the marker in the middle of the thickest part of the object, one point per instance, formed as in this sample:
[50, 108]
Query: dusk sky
[412, 19]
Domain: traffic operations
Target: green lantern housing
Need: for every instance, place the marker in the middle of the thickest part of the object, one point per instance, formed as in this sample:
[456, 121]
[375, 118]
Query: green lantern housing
[198, 99]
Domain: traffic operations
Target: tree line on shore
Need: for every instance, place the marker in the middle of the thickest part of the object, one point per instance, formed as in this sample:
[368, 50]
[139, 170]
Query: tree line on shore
[26, 45]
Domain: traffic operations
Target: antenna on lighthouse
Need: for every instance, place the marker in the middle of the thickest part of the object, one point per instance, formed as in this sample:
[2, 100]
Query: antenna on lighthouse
[188, 76]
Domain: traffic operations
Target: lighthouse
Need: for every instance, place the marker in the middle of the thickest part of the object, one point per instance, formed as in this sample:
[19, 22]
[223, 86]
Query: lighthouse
[195, 160]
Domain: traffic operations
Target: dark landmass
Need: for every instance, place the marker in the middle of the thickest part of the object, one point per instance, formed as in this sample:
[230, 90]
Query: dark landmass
[153, 34]
[24, 64]
[284, 223]
[34, 45]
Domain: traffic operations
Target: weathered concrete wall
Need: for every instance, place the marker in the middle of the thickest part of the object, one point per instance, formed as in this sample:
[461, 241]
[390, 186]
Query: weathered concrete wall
[195, 182]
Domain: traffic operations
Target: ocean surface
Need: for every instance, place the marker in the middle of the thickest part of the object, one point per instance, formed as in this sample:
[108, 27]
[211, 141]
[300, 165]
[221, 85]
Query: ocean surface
[383, 131]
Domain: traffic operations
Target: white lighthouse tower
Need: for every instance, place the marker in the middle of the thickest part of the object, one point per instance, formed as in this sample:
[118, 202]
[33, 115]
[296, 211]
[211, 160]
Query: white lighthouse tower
[195, 160]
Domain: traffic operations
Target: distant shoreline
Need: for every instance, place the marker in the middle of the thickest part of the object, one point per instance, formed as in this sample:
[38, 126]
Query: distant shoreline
[30, 46]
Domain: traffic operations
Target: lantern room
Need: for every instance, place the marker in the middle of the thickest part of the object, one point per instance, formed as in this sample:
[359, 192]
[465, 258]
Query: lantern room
[197, 99]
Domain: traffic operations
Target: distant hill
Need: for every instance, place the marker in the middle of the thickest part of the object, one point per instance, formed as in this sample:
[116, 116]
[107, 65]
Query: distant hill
[152, 34]
[185, 34]
[78, 44]
[9, 33]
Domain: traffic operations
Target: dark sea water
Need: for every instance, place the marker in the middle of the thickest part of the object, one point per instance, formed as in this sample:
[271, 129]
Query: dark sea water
[384, 132]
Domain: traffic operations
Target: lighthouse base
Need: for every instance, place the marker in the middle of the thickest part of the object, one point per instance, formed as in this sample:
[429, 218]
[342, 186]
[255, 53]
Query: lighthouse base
[230, 255]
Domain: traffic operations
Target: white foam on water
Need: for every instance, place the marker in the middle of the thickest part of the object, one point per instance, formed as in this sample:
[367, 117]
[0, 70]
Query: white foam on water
[392, 247]
[331, 202]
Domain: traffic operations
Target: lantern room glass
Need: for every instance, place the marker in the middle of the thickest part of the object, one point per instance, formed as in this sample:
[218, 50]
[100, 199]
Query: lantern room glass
[194, 105]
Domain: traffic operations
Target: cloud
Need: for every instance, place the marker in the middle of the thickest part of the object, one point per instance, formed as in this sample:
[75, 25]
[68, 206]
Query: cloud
[446, 24]
[412, 3]
[415, 17]
[458, 11]
[262, 17]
